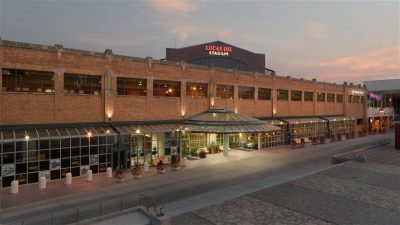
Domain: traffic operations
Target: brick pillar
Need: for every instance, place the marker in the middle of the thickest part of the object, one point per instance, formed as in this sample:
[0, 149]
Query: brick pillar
[110, 82]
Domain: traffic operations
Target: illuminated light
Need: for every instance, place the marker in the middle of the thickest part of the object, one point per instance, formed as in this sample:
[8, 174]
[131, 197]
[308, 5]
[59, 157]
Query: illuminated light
[140, 83]
[137, 131]
[194, 88]
[281, 122]
[170, 90]
[108, 131]
[240, 134]
[200, 88]
[165, 85]
[183, 113]
[89, 134]
[214, 114]
[272, 122]
[27, 137]
[212, 101]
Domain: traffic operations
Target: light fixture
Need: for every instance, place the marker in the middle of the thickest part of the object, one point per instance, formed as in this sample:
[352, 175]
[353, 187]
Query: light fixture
[194, 88]
[26, 137]
[165, 85]
[170, 90]
[140, 83]
[200, 88]
[108, 131]
[89, 134]
[137, 131]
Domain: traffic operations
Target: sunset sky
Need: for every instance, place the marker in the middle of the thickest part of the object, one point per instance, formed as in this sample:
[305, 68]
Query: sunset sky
[333, 41]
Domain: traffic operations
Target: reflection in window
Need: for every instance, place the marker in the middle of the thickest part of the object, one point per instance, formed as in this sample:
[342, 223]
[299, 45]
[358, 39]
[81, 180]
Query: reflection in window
[225, 91]
[27, 81]
[131, 86]
[308, 96]
[330, 97]
[295, 95]
[82, 84]
[246, 92]
[220, 62]
[282, 95]
[196, 90]
[321, 97]
[264, 94]
[166, 88]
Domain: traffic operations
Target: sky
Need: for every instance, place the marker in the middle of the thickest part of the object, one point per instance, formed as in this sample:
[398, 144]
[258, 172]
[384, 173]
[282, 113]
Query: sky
[333, 41]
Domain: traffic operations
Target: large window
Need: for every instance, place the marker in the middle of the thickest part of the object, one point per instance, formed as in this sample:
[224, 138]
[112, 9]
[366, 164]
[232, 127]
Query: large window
[330, 97]
[264, 94]
[295, 95]
[196, 90]
[308, 96]
[321, 97]
[246, 93]
[282, 95]
[131, 86]
[356, 99]
[82, 84]
[225, 91]
[339, 98]
[27, 81]
[166, 88]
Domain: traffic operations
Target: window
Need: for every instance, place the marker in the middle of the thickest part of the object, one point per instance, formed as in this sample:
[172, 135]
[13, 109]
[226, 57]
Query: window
[225, 91]
[282, 95]
[339, 98]
[27, 81]
[350, 97]
[264, 94]
[330, 97]
[295, 95]
[360, 121]
[166, 88]
[321, 97]
[356, 99]
[308, 96]
[131, 86]
[196, 90]
[362, 99]
[246, 93]
[82, 84]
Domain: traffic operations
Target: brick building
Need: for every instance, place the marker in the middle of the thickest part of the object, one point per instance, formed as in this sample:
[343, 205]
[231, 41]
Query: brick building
[66, 110]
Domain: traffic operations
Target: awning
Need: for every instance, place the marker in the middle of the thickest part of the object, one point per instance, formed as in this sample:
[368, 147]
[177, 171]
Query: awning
[338, 118]
[40, 134]
[134, 129]
[275, 122]
[225, 121]
[304, 120]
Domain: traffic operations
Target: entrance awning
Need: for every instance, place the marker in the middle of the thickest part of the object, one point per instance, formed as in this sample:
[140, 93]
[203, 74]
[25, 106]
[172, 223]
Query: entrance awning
[133, 129]
[338, 118]
[225, 121]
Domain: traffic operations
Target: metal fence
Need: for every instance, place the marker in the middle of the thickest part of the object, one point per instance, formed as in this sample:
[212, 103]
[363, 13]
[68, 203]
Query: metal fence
[96, 210]
[354, 152]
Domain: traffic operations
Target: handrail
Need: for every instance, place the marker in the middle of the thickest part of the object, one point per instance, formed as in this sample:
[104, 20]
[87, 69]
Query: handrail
[96, 210]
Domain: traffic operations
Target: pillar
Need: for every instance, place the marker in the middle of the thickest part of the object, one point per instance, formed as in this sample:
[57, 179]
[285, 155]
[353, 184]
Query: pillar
[42, 182]
[226, 144]
[258, 141]
[68, 178]
[109, 172]
[89, 175]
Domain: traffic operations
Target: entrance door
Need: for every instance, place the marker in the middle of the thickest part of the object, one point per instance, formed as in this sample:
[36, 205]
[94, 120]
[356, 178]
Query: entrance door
[119, 160]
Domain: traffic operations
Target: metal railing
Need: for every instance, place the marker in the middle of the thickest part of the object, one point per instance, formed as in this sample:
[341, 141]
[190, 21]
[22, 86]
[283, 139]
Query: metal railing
[354, 152]
[92, 211]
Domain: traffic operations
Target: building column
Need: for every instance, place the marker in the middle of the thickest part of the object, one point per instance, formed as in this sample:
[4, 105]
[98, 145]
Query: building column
[258, 141]
[226, 144]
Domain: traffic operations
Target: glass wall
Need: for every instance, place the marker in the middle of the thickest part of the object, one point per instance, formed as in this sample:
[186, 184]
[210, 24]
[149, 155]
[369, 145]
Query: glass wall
[307, 128]
[29, 154]
[198, 90]
[27, 81]
[341, 126]
[166, 88]
[82, 84]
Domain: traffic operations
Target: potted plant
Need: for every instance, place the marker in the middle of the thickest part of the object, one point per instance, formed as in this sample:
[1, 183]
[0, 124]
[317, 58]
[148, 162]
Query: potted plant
[120, 176]
[137, 172]
[160, 167]
[175, 165]
[202, 154]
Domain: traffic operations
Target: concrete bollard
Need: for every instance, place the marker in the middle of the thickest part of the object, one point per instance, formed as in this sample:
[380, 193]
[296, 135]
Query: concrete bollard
[68, 178]
[42, 182]
[146, 167]
[184, 161]
[14, 187]
[109, 172]
[89, 175]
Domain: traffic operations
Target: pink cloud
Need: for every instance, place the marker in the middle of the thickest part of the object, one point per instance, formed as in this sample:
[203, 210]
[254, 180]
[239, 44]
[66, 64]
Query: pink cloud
[316, 30]
[109, 42]
[183, 31]
[176, 6]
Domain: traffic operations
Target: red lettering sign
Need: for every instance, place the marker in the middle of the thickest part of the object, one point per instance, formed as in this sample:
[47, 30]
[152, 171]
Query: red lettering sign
[218, 48]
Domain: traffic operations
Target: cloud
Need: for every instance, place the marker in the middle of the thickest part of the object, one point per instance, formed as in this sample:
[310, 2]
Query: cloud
[172, 7]
[184, 30]
[109, 42]
[316, 30]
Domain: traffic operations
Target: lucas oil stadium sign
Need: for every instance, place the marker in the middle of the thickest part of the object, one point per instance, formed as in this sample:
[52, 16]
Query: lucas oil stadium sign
[218, 50]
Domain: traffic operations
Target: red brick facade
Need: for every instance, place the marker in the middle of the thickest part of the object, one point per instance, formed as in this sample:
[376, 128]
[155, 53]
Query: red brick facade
[60, 107]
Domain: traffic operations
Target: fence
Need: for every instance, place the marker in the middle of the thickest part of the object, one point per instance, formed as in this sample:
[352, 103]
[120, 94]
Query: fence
[356, 153]
[96, 210]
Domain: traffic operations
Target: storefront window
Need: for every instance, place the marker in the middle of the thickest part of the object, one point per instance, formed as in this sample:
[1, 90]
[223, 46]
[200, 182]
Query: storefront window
[282, 95]
[131, 86]
[82, 84]
[225, 91]
[308, 96]
[264, 94]
[295, 95]
[27, 81]
[196, 90]
[246, 93]
[166, 88]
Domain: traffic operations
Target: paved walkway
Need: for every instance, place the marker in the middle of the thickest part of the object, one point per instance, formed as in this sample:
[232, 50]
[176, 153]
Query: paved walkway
[254, 169]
